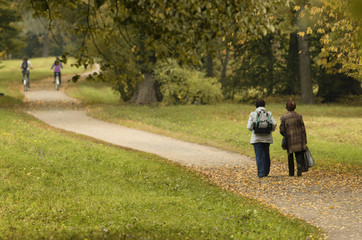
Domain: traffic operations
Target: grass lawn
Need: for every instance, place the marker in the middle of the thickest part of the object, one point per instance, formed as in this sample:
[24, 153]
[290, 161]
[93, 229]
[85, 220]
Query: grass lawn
[11, 76]
[57, 185]
[334, 131]
[93, 93]
[60, 186]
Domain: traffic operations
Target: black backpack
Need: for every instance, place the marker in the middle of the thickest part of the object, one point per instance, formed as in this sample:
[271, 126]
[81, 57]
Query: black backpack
[24, 66]
[262, 124]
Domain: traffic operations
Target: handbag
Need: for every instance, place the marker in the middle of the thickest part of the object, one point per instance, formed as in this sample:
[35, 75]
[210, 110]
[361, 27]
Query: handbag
[308, 157]
[284, 143]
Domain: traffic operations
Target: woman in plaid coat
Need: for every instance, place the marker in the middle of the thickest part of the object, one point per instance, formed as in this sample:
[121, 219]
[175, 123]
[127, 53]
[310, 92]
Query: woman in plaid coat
[292, 127]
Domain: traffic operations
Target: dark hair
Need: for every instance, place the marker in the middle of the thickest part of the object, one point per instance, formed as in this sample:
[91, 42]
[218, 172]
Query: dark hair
[290, 106]
[25, 58]
[260, 103]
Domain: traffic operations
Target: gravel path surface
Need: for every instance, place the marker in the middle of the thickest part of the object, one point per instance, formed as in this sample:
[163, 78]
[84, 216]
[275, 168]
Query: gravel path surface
[332, 202]
[47, 96]
[185, 153]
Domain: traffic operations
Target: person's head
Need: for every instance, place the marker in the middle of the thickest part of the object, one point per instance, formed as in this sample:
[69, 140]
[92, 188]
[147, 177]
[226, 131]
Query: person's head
[290, 106]
[25, 58]
[260, 103]
[57, 61]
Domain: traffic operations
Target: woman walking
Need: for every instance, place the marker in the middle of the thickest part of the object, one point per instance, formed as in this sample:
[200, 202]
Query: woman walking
[292, 127]
[261, 139]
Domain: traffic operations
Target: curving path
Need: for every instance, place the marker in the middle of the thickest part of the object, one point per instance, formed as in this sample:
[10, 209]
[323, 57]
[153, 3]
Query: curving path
[323, 200]
[185, 153]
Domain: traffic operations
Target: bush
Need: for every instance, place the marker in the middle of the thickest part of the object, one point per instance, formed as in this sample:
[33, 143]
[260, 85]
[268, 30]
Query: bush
[186, 86]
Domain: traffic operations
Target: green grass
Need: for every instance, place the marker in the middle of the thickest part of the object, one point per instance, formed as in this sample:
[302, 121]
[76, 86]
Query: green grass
[334, 131]
[57, 186]
[93, 93]
[10, 77]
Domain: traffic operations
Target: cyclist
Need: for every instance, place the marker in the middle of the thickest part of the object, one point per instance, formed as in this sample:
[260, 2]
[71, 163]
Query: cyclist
[57, 65]
[25, 69]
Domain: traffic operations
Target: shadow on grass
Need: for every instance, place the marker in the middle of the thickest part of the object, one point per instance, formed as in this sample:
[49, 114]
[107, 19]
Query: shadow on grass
[9, 102]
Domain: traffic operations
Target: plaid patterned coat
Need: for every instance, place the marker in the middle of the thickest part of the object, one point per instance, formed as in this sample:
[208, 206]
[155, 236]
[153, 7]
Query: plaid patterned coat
[292, 126]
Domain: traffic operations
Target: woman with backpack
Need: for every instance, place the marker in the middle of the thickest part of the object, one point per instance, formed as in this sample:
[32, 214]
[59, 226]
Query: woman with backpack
[262, 124]
[292, 127]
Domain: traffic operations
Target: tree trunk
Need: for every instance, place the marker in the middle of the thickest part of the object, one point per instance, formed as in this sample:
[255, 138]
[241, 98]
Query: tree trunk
[270, 65]
[224, 67]
[305, 70]
[209, 66]
[305, 74]
[293, 80]
[145, 92]
[46, 45]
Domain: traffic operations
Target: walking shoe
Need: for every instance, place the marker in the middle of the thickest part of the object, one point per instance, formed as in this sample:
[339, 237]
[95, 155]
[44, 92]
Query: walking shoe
[299, 170]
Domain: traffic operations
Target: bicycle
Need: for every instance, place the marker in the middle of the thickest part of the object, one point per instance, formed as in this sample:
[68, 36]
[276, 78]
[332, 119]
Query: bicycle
[26, 82]
[57, 81]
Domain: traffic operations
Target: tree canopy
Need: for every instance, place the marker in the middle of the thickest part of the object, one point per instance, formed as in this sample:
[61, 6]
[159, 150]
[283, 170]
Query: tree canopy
[129, 37]
[9, 30]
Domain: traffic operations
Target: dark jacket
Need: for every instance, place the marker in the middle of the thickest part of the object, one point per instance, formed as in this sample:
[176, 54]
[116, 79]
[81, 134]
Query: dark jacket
[292, 126]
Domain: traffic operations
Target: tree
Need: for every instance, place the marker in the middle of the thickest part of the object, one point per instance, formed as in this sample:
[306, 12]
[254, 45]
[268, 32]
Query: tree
[339, 52]
[36, 27]
[9, 30]
[183, 28]
[341, 49]
[305, 74]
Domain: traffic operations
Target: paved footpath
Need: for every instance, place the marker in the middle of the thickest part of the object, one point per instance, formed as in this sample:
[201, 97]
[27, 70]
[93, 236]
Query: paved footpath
[316, 198]
[179, 151]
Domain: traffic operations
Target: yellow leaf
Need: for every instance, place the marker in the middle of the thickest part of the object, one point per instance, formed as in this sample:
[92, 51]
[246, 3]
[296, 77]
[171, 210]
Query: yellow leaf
[301, 34]
[320, 30]
[309, 31]
[296, 8]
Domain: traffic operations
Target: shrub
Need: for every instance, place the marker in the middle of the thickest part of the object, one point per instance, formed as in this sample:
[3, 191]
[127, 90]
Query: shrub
[186, 86]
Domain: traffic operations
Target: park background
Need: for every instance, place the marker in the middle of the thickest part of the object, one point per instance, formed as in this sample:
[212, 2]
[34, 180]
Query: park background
[192, 71]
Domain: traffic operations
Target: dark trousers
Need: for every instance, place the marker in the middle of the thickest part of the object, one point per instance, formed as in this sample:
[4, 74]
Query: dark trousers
[60, 77]
[262, 158]
[299, 156]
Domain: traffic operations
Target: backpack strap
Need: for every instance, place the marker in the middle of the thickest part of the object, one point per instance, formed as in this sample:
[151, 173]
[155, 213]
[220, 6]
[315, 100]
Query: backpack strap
[257, 119]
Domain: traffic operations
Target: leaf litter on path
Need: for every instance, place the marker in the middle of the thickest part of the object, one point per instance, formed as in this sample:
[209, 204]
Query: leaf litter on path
[328, 200]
